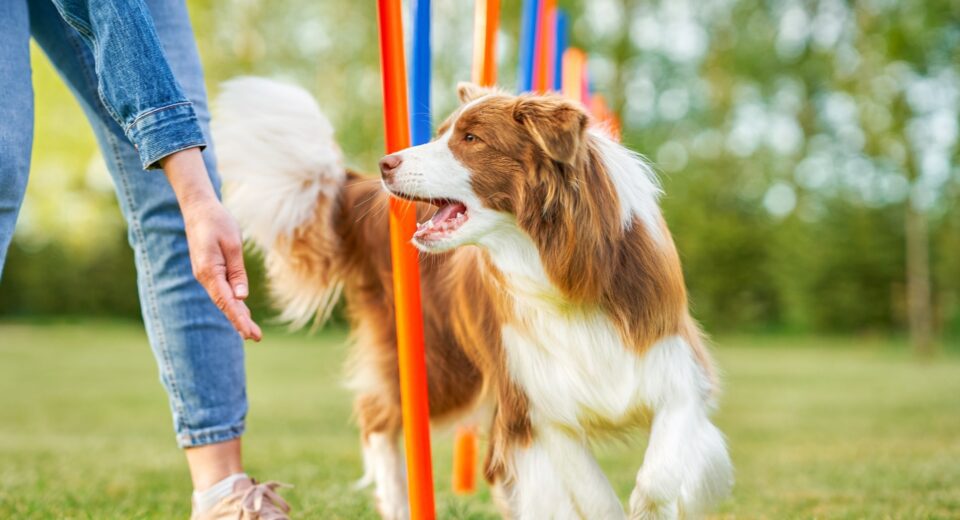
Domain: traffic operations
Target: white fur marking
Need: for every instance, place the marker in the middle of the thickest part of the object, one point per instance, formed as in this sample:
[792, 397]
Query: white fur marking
[570, 362]
[385, 467]
[634, 182]
[558, 477]
[686, 468]
[278, 158]
[276, 154]
[539, 490]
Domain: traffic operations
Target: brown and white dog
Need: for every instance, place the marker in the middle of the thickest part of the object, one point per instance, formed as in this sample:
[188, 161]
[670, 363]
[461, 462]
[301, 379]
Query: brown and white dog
[552, 291]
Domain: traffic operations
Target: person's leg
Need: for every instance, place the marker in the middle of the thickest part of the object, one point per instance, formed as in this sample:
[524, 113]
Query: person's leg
[16, 115]
[199, 354]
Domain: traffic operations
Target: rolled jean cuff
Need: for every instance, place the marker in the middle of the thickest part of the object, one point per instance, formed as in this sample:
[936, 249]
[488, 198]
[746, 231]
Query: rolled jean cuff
[195, 438]
[165, 130]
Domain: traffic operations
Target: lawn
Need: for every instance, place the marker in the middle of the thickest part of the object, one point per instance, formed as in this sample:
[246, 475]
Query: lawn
[818, 428]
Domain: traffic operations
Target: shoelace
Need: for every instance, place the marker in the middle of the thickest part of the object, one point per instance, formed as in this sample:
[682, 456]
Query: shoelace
[255, 497]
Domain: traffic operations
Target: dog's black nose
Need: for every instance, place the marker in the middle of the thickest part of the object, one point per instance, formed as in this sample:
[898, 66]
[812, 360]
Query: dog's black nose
[389, 165]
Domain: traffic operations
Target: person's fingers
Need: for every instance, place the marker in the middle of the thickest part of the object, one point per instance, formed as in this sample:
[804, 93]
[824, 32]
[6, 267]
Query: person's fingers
[255, 333]
[237, 279]
[238, 313]
[236, 273]
[235, 310]
[254, 329]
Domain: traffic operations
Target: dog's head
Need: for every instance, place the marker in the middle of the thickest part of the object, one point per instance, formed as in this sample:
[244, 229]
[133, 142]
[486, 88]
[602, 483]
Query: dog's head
[503, 163]
[496, 156]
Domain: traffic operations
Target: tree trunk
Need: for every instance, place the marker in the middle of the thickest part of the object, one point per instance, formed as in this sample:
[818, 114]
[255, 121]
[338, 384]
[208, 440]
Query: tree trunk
[919, 306]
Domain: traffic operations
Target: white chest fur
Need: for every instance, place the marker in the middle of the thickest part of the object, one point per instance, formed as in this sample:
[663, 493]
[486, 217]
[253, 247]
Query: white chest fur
[580, 376]
[573, 367]
[572, 362]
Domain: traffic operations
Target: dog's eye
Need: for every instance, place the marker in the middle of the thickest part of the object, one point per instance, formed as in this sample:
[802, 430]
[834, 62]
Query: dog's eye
[469, 138]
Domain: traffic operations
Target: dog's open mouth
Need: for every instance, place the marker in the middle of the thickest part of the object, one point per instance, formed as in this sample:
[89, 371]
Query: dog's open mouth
[449, 217]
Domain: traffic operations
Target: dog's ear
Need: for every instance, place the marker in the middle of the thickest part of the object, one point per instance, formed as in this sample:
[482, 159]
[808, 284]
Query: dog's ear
[467, 91]
[556, 124]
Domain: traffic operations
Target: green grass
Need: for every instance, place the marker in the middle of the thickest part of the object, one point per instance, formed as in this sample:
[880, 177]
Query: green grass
[818, 428]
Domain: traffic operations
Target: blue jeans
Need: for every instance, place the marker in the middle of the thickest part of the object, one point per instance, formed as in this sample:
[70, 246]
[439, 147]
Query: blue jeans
[199, 354]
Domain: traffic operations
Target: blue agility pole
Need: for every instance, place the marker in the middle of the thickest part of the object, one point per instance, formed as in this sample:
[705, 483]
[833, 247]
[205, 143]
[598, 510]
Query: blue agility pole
[421, 128]
[563, 41]
[528, 38]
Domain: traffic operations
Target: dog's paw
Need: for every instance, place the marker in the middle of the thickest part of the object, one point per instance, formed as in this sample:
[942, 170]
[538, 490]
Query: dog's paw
[363, 482]
[392, 510]
[642, 508]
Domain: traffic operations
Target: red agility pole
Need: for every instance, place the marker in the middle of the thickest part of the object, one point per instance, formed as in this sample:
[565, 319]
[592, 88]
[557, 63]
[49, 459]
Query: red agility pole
[406, 273]
[486, 22]
[544, 46]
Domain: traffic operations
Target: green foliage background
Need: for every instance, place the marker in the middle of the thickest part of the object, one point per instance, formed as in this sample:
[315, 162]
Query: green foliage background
[791, 136]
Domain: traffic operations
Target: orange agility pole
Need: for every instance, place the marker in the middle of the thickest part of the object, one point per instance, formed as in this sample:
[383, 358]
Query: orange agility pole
[406, 274]
[465, 460]
[602, 113]
[574, 62]
[486, 22]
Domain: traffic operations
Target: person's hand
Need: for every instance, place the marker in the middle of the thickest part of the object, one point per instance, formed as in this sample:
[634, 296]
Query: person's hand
[216, 247]
[216, 253]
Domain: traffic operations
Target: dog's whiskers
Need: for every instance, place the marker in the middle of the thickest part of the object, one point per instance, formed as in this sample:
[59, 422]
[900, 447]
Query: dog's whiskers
[379, 205]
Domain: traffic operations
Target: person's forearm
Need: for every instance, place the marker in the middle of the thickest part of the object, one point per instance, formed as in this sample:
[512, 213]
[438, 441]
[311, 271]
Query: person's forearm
[188, 176]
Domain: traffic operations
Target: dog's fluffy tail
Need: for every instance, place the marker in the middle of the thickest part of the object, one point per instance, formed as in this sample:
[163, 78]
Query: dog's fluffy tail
[283, 173]
[277, 155]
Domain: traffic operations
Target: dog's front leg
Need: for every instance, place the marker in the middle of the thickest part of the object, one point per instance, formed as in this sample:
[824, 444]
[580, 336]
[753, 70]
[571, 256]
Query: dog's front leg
[557, 477]
[385, 469]
[686, 467]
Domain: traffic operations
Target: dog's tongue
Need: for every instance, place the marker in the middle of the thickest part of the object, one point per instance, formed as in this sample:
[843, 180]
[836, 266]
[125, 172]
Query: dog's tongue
[448, 212]
[445, 219]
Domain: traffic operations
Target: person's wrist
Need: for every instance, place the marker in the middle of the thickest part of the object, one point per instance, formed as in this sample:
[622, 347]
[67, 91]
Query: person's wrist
[188, 176]
[198, 205]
